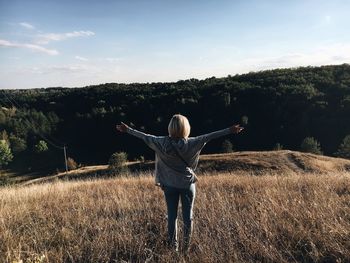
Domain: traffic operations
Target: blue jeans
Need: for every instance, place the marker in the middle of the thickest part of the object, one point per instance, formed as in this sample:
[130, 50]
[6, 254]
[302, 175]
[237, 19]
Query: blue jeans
[172, 196]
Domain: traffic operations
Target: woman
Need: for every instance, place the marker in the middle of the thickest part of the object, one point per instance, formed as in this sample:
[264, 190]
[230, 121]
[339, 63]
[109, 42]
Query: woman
[177, 157]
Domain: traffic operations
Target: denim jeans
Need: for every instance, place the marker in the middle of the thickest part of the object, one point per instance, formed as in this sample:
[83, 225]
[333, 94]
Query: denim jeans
[172, 196]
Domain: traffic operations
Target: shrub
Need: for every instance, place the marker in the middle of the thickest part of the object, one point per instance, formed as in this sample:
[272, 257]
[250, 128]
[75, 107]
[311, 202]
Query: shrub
[41, 147]
[244, 120]
[141, 159]
[17, 144]
[227, 146]
[311, 145]
[278, 147]
[344, 148]
[5, 153]
[72, 165]
[117, 161]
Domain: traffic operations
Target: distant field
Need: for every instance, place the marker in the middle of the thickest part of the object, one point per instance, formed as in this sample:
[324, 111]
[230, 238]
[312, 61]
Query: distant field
[238, 218]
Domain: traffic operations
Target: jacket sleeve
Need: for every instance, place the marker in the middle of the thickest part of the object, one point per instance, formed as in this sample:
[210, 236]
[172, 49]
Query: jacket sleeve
[151, 140]
[201, 140]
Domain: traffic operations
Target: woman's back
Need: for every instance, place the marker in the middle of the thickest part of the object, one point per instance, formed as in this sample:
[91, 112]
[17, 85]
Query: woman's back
[176, 169]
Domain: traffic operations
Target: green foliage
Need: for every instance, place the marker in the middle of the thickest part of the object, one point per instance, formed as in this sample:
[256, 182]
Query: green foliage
[17, 144]
[282, 104]
[117, 161]
[278, 147]
[5, 153]
[227, 146]
[24, 122]
[244, 120]
[344, 148]
[311, 145]
[4, 136]
[226, 98]
[2, 117]
[41, 147]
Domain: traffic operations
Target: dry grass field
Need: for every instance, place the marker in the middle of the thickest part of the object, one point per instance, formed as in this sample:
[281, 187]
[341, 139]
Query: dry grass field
[238, 218]
[254, 163]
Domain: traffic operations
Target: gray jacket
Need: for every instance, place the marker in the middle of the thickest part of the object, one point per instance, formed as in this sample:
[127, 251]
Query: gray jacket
[170, 169]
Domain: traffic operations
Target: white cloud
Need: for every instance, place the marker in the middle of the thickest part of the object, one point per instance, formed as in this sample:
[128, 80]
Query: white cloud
[36, 48]
[328, 19]
[26, 25]
[332, 54]
[66, 68]
[81, 58]
[47, 38]
[324, 55]
[112, 59]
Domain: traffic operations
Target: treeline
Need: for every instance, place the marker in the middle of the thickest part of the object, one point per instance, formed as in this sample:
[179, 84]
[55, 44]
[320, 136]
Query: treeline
[279, 108]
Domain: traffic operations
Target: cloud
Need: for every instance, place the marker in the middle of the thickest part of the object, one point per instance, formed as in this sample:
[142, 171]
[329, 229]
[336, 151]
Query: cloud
[332, 54]
[36, 48]
[47, 38]
[66, 68]
[112, 59]
[26, 25]
[81, 58]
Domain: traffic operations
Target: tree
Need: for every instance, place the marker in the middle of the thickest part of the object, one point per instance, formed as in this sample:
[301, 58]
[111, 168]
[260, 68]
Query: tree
[311, 145]
[5, 153]
[41, 147]
[244, 120]
[344, 148]
[17, 144]
[227, 146]
[278, 147]
[4, 136]
[117, 161]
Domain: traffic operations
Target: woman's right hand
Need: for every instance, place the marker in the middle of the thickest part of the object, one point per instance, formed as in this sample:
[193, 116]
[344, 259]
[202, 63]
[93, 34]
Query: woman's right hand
[122, 127]
[236, 129]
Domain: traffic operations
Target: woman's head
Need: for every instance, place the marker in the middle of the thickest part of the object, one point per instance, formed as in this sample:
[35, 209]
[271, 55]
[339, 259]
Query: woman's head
[179, 127]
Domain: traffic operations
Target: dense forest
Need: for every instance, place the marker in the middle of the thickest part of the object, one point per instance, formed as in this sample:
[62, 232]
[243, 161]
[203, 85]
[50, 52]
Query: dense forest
[276, 107]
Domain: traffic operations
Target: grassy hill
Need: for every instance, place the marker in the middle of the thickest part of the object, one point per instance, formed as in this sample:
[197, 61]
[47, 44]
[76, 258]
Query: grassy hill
[255, 163]
[238, 218]
[284, 161]
[296, 210]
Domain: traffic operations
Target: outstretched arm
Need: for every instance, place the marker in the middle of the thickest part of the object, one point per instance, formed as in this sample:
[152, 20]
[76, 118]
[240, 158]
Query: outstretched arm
[203, 139]
[122, 127]
[149, 139]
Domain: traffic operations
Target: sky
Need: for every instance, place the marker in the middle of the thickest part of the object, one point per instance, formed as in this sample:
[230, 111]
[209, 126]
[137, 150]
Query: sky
[75, 43]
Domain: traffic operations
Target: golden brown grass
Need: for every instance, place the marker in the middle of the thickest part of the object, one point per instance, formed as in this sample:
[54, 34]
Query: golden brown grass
[274, 161]
[284, 161]
[238, 218]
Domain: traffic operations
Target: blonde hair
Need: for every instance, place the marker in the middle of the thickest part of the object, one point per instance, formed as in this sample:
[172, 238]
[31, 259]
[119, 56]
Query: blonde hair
[179, 127]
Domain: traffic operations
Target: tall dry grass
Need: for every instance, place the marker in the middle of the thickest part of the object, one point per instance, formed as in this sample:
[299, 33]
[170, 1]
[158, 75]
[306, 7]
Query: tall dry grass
[238, 218]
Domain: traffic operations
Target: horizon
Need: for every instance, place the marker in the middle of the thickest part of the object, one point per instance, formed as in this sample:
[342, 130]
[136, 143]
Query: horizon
[47, 44]
[170, 82]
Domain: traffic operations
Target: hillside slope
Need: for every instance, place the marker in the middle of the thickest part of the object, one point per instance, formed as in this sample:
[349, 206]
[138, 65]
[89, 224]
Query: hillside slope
[295, 218]
[279, 161]
[286, 162]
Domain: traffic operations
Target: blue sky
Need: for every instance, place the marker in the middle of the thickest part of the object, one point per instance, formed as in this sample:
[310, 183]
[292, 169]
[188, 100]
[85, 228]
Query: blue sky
[75, 43]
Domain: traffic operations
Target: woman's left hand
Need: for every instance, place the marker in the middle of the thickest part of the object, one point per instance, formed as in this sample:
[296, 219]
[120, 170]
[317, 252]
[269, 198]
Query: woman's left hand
[122, 127]
[236, 129]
